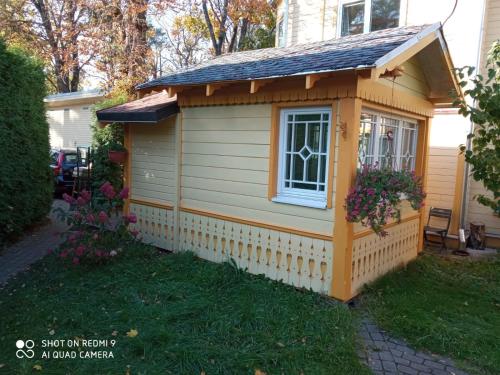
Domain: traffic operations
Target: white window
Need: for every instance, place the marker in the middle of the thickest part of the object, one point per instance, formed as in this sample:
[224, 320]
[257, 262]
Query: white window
[303, 156]
[389, 141]
[362, 16]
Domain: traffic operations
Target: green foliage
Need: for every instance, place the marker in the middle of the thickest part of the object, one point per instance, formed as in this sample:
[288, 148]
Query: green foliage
[261, 36]
[485, 113]
[108, 138]
[450, 307]
[190, 316]
[26, 184]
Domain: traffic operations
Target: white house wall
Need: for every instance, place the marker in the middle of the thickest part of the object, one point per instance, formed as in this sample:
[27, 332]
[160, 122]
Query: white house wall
[69, 126]
[153, 176]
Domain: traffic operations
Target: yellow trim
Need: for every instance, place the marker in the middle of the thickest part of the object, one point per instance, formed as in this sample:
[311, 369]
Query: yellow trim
[151, 203]
[376, 92]
[404, 56]
[422, 161]
[234, 219]
[331, 158]
[350, 114]
[387, 226]
[127, 170]
[386, 109]
[457, 201]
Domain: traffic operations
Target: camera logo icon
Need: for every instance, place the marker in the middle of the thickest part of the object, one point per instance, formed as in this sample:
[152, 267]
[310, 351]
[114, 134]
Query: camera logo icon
[24, 349]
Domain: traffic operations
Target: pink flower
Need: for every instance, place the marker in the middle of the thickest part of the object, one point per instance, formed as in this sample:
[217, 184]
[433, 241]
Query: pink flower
[76, 260]
[130, 218]
[85, 195]
[103, 217]
[64, 254]
[91, 218]
[134, 232]
[108, 190]
[80, 250]
[68, 199]
[98, 253]
[124, 193]
[81, 202]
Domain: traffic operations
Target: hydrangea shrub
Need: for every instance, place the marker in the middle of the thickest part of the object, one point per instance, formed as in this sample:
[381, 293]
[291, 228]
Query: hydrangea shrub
[99, 233]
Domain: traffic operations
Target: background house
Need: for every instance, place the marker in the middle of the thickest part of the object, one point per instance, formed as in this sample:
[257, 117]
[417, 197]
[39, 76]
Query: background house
[470, 29]
[70, 116]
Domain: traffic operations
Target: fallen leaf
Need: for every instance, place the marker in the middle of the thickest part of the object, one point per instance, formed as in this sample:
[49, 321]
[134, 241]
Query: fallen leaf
[2, 365]
[203, 373]
[132, 333]
[114, 333]
[37, 367]
[52, 332]
[280, 344]
[258, 372]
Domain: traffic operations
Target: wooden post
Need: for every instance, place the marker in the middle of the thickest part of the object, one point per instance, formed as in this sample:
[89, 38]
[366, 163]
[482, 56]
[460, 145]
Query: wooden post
[127, 168]
[178, 173]
[458, 195]
[422, 161]
[350, 115]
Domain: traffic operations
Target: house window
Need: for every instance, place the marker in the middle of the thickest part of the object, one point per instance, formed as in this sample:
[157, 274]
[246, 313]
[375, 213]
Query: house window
[281, 33]
[357, 17]
[303, 156]
[387, 140]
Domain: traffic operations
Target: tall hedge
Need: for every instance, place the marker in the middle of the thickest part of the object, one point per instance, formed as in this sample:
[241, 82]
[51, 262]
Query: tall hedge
[25, 182]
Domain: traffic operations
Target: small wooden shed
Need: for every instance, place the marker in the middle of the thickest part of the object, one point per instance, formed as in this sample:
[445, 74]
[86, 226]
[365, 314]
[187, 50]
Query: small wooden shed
[250, 155]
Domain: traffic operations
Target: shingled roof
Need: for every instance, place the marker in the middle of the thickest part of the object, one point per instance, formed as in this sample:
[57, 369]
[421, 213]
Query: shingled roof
[350, 52]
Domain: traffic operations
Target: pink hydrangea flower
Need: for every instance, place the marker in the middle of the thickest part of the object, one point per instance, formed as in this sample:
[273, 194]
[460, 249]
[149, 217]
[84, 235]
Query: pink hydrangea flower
[103, 217]
[108, 190]
[76, 260]
[68, 199]
[85, 195]
[130, 218]
[80, 250]
[124, 193]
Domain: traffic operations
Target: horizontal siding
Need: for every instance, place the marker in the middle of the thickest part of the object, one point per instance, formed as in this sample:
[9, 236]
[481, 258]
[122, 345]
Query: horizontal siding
[71, 127]
[441, 179]
[225, 167]
[479, 213]
[153, 175]
[412, 81]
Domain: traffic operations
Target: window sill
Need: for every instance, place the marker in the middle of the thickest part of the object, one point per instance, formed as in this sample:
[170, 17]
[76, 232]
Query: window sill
[300, 202]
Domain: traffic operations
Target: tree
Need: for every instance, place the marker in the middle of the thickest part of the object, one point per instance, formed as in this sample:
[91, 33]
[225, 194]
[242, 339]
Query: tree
[484, 112]
[54, 31]
[72, 35]
[182, 44]
[231, 23]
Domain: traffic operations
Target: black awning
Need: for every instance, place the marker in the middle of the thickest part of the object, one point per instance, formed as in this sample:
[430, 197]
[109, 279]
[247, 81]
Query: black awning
[150, 109]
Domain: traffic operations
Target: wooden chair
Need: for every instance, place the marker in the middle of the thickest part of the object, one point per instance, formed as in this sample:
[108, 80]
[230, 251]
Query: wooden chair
[442, 215]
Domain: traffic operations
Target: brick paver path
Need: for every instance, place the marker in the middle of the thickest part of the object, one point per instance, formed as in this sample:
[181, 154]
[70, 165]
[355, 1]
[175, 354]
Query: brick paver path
[386, 356]
[32, 247]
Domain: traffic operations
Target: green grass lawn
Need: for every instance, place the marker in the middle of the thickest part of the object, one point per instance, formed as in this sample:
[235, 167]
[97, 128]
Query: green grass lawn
[191, 316]
[451, 307]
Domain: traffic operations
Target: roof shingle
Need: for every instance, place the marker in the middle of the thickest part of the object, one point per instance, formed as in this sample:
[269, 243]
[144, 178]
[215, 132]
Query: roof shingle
[350, 52]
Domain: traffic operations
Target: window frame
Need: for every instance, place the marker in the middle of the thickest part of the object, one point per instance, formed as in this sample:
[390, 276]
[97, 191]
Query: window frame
[367, 15]
[295, 196]
[402, 124]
